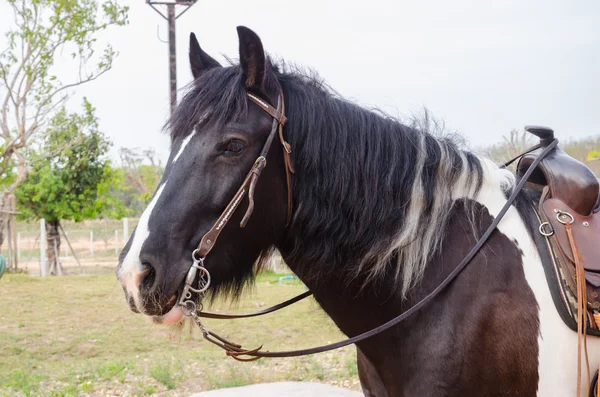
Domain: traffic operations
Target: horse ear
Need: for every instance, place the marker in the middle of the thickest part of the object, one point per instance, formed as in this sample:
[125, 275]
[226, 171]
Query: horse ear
[252, 59]
[200, 60]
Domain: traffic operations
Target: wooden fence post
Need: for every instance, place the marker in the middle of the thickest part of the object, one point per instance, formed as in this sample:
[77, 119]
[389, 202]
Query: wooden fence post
[43, 263]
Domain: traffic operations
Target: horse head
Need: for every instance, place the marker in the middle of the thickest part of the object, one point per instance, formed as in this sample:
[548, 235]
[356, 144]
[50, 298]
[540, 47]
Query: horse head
[216, 136]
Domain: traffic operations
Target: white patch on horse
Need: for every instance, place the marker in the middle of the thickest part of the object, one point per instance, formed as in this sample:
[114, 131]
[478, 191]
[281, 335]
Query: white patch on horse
[184, 143]
[557, 342]
[414, 244]
[131, 270]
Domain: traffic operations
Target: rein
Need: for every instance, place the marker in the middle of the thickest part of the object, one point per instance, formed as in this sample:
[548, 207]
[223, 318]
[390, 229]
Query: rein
[198, 271]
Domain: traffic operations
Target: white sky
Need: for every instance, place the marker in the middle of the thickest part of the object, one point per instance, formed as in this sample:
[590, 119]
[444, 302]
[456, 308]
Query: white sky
[484, 67]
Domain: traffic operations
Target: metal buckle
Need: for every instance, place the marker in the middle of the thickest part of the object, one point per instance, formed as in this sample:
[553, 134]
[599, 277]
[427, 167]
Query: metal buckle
[287, 147]
[260, 159]
[543, 232]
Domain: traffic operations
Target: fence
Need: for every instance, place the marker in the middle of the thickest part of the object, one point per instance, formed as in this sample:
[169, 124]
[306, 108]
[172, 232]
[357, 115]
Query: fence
[92, 246]
[88, 243]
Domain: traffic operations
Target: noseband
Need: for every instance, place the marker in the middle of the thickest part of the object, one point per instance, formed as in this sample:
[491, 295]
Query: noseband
[198, 271]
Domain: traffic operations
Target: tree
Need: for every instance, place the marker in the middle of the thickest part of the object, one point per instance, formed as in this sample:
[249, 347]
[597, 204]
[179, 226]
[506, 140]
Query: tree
[30, 90]
[71, 178]
[141, 174]
[515, 143]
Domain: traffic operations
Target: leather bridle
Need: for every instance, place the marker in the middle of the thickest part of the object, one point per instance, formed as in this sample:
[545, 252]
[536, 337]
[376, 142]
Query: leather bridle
[198, 273]
[249, 184]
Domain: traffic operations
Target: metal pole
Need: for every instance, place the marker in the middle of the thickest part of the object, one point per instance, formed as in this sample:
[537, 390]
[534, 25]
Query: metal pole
[171, 18]
[66, 246]
[172, 57]
[43, 247]
[19, 246]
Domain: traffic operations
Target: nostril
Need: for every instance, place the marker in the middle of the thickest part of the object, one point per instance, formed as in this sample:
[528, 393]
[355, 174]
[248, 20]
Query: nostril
[149, 279]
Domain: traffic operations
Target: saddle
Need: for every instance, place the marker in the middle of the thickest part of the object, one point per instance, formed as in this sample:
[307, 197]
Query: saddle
[570, 194]
[569, 215]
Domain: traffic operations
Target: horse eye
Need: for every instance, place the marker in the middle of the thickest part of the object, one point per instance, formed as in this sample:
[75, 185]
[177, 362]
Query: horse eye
[235, 146]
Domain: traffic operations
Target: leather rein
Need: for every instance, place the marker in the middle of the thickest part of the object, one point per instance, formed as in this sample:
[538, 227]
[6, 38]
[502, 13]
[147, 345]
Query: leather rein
[198, 275]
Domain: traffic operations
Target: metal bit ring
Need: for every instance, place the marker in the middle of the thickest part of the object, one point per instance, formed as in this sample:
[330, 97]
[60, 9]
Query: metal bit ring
[188, 308]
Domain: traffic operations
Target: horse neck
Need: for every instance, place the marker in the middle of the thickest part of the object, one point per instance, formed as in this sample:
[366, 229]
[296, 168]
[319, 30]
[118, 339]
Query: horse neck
[357, 306]
[372, 197]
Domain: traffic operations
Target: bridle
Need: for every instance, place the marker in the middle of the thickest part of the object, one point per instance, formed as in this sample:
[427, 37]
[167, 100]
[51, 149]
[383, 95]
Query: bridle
[199, 274]
[197, 270]
[208, 240]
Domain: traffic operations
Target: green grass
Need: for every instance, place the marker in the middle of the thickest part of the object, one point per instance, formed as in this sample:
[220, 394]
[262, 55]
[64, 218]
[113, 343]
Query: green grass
[21, 380]
[70, 336]
[235, 378]
[351, 367]
[164, 374]
[114, 370]
[271, 277]
[145, 390]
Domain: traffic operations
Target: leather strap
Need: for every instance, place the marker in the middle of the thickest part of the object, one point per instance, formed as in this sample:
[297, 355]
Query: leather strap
[249, 184]
[289, 168]
[279, 115]
[581, 310]
[209, 239]
[271, 309]
[236, 351]
[531, 149]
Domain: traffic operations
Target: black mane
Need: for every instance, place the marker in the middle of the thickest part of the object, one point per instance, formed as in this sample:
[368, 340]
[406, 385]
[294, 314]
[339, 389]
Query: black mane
[218, 92]
[360, 174]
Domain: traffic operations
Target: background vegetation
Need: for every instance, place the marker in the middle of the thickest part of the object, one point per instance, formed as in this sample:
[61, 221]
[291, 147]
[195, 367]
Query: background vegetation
[515, 142]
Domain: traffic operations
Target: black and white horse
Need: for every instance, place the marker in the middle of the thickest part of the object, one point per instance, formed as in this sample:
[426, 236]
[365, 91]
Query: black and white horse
[382, 213]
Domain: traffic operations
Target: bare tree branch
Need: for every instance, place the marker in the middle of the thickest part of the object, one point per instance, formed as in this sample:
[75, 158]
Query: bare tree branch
[77, 83]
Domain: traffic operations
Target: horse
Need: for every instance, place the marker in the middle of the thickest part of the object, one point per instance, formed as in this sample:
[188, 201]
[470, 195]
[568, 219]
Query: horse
[380, 213]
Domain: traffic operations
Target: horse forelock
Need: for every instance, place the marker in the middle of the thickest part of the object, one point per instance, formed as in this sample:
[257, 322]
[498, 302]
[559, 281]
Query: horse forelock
[217, 96]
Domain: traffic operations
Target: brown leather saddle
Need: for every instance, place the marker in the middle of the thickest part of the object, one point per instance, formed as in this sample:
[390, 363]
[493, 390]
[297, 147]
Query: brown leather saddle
[570, 194]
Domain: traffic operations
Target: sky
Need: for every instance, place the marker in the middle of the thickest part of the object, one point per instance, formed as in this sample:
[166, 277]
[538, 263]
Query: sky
[483, 67]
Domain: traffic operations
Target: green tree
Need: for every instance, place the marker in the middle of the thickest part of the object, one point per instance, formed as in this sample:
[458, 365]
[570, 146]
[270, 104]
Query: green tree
[71, 178]
[30, 91]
